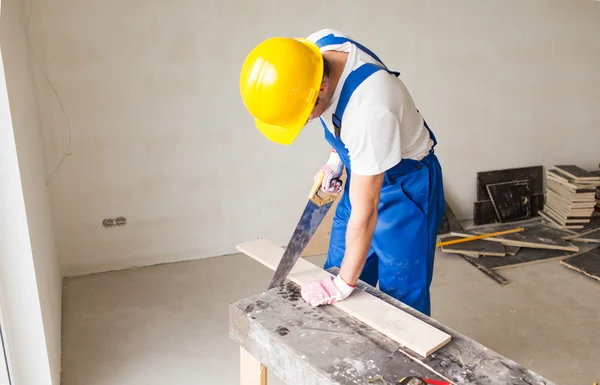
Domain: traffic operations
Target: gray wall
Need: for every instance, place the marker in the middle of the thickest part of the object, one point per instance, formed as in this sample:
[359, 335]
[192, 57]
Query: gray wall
[159, 134]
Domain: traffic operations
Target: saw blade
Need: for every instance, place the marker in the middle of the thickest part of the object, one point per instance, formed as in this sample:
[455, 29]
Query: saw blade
[307, 225]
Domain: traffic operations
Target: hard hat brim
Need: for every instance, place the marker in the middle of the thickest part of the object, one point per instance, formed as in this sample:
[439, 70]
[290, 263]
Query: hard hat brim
[278, 134]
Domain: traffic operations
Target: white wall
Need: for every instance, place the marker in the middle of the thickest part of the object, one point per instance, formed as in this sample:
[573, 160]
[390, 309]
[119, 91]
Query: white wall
[159, 133]
[30, 275]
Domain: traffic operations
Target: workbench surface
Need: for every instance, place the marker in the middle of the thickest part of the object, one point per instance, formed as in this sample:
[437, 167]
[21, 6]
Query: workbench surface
[324, 345]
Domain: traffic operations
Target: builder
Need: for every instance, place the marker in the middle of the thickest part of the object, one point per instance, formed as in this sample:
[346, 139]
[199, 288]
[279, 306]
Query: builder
[386, 222]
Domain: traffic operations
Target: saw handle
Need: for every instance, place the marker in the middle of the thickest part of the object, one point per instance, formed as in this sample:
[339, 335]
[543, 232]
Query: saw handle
[318, 196]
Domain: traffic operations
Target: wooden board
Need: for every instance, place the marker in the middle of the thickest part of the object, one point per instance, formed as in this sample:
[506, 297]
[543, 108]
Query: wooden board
[476, 247]
[589, 235]
[535, 176]
[407, 330]
[511, 200]
[586, 263]
[536, 235]
[525, 256]
[537, 203]
[552, 222]
[449, 222]
[577, 172]
[485, 214]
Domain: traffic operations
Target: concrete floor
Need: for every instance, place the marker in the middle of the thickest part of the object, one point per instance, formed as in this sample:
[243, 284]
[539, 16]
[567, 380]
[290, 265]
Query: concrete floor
[168, 324]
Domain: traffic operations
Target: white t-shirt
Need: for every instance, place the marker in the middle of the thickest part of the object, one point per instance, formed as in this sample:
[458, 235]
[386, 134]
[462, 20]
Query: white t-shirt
[381, 124]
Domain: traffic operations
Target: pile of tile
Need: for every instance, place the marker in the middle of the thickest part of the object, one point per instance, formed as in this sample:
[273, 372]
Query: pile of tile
[570, 196]
[597, 172]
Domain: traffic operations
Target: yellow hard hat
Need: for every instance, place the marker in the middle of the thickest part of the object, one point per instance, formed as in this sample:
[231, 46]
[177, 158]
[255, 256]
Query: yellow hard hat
[279, 83]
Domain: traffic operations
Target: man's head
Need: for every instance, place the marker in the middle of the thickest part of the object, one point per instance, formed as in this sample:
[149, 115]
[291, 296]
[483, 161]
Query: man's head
[280, 82]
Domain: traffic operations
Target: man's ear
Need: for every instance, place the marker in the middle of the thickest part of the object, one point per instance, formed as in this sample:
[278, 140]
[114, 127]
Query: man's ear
[324, 85]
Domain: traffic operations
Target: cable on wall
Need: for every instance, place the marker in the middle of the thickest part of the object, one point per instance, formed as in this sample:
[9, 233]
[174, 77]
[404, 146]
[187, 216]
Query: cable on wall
[66, 154]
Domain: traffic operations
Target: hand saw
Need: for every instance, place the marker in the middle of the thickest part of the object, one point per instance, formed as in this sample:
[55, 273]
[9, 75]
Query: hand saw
[318, 205]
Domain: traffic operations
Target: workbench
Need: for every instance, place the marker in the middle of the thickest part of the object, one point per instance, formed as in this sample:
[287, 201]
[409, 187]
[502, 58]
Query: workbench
[279, 332]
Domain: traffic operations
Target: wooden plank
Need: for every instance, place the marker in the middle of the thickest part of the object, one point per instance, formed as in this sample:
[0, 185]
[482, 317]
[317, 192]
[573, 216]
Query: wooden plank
[537, 203]
[489, 272]
[449, 222]
[252, 372]
[553, 222]
[525, 256]
[577, 173]
[511, 200]
[484, 213]
[534, 174]
[407, 330]
[536, 235]
[587, 263]
[477, 247]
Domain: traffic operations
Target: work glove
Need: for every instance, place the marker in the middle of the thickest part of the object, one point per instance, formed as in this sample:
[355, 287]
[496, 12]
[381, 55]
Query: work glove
[332, 170]
[325, 291]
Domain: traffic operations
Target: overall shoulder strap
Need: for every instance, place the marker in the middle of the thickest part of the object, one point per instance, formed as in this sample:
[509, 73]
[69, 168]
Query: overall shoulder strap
[332, 39]
[354, 79]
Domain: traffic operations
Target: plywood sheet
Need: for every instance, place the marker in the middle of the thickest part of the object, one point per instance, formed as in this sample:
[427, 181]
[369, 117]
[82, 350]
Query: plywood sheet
[586, 263]
[577, 173]
[511, 200]
[476, 247]
[536, 235]
[407, 330]
[535, 176]
[484, 213]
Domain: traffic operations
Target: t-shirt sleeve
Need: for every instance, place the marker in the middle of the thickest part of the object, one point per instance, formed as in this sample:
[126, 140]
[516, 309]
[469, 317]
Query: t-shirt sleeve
[372, 136]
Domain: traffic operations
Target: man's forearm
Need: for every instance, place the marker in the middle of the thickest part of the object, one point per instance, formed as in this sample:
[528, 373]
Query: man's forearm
[359, 235]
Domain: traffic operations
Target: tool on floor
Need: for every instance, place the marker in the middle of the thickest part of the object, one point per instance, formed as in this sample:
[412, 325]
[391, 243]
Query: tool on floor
[411, 380]
[318, 205]
[475, 237]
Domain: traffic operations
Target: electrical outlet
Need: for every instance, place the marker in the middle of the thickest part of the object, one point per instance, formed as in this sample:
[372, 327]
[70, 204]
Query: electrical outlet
[113, 222]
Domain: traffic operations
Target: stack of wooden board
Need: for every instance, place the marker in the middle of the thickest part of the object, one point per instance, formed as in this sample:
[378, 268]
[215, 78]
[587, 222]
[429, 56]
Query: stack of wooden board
[508, 195]
[570, 196]
[597, 172]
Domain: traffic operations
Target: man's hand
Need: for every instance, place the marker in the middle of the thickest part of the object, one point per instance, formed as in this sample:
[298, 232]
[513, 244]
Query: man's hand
[325, 291]
[332, 169]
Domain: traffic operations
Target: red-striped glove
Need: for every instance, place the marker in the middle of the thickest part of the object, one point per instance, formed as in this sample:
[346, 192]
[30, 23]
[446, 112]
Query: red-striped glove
[325, 291]
[333, 170]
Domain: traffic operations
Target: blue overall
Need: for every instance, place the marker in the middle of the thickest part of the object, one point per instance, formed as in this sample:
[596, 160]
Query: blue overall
[410, 211]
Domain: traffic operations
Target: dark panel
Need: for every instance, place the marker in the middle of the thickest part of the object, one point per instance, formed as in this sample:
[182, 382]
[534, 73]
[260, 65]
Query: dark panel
[484, 213]
[587, 263]
[537, 204]
[576, 172]
[511, 200]
[449, 222]
[525, 255]
[535, 176]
